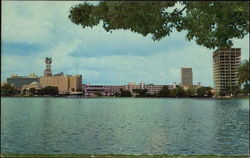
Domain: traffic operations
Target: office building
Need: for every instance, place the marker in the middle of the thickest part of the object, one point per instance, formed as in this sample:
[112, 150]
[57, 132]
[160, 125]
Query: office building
[26, 88]
[131, 86]
[64, 83]
[154, 89]
[110, 90]
[19, 81]
[105, 90]
[194, 87]
[186, 76]
[225, 68]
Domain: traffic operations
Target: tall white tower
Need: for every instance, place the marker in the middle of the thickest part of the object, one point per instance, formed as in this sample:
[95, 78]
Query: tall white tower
[47, 71]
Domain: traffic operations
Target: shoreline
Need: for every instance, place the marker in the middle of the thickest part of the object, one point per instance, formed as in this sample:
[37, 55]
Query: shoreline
[121, 156]
[98, 97]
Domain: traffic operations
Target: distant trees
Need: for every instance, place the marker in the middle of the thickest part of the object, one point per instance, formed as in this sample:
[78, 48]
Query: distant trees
[8, 90]
[164, 92]
[49, 90]
[125, 93]
[235, 91]
[141, 92]
[98, 94]
[32, 91]
[204, 91]
[190, 92]
[116, 94]
[243, 72]
[179, 92]
[244, 76]
[246, 89]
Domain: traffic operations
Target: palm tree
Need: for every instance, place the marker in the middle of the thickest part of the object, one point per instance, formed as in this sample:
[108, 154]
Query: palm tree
[243, 73]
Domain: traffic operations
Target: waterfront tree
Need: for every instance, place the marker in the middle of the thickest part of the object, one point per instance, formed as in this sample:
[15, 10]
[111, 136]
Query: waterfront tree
[32, 91]
[243, 72]
[190, 92]
[235, 90]
[204, 91]
[164, 92]
[246, 89]
[24, 91]
[211, 24]
[116, 94]
[99, 94]
[8, 90]
[125, 93]
[141, 92]
[244, 76]
[48, 90]
[178, 92]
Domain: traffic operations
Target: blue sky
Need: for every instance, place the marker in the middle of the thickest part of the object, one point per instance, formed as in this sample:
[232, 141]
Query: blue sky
[33, 30]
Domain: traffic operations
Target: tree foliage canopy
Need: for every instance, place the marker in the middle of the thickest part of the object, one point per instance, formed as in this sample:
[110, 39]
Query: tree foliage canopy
[141, 92]
[48, 90]
[164, 92]
[202, 91]
[210, 23]
[125, 93]
[243, 72]
[8, 90]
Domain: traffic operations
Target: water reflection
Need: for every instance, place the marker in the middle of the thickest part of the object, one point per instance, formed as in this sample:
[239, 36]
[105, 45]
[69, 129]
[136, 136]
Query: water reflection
[232, 127]
[124, 126]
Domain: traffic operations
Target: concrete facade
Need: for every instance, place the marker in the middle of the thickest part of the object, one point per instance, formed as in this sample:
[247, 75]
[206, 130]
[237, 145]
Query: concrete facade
[19, 81]
[194, 87]
[65, 84]
[154, 89]
[225, 68]
[106, 90]
[25, 89]
[186, 76]
[109, 90]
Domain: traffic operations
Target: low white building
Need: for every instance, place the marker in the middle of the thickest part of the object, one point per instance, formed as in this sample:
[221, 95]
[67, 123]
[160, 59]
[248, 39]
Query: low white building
[26, 88]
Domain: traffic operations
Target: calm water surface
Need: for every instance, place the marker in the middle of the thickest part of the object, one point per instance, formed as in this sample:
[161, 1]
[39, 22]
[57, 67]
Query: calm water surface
[124, 126]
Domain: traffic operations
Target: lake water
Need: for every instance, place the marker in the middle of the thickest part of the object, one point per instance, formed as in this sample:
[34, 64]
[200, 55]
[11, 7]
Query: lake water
[124, 126]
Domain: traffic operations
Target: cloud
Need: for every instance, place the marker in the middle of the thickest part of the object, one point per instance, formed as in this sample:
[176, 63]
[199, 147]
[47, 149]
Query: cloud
[33, 21]
[21, 48]
[33, 30]
[125, 43]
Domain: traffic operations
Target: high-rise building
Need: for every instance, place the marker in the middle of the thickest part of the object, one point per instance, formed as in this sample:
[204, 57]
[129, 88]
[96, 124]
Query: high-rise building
[186, 76]
[225, 68]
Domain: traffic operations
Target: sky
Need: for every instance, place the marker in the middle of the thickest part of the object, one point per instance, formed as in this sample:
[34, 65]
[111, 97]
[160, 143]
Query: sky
[34, 30]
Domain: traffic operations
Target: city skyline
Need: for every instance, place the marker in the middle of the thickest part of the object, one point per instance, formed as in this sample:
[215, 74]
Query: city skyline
[102, 58]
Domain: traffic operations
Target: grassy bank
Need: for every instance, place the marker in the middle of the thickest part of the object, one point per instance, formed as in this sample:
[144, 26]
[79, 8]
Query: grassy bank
[117, 156]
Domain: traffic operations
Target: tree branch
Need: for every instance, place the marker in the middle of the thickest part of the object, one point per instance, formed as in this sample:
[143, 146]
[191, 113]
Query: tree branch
[182, 10]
